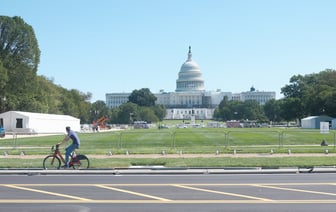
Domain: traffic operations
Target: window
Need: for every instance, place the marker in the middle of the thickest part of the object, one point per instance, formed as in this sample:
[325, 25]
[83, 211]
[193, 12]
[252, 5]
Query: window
[19, 123]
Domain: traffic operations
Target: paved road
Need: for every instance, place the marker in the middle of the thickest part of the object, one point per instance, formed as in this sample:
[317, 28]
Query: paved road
[229, 192]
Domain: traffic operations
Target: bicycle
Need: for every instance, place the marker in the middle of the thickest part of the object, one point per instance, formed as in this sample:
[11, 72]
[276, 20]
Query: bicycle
[53, 161]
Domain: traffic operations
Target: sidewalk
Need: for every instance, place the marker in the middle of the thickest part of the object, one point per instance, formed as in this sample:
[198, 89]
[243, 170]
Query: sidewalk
[169, 171]
[161, 170]
[184, 155]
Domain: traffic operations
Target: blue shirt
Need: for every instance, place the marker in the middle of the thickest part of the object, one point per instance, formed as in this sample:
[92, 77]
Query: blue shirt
[74, 137]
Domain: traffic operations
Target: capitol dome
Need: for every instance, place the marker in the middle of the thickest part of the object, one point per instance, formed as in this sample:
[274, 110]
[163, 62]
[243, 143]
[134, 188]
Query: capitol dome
[190, 76]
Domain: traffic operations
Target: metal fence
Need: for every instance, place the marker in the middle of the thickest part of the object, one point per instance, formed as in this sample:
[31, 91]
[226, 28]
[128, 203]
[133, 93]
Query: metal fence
[210, 141]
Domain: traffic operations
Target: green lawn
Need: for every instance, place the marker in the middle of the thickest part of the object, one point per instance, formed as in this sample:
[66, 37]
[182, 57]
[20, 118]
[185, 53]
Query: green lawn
[189, 141]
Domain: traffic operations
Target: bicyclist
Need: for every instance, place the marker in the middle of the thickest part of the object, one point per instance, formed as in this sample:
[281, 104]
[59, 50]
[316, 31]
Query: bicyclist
[75, 144]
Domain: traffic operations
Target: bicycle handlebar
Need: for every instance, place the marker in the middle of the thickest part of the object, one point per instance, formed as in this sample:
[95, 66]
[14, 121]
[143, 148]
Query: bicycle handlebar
[56, 147]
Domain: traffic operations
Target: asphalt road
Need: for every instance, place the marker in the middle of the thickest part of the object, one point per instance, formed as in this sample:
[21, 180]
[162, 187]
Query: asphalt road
[146, 193]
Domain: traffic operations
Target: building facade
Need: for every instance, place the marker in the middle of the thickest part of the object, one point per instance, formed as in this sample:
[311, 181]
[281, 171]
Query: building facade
[114, 100]
[190, 98]
[260, 96]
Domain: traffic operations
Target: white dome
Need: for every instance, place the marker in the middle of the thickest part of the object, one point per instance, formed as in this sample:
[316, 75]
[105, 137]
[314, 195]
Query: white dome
[189, 66]
[190, 76]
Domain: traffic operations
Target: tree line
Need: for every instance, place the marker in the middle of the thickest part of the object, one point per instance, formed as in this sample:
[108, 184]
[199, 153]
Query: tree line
[140, 107]
[21, 88]
[305, 95]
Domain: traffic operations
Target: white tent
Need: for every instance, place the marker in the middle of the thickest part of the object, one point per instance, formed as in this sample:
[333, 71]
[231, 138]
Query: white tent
[26, 122]
[309, 122]
[333, 124]
[313, 122]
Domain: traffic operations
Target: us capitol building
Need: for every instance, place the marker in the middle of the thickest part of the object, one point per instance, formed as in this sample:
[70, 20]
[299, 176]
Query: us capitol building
[190, 99]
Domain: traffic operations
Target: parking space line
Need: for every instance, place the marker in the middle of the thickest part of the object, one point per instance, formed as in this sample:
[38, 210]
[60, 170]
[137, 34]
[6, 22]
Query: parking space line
[132, 192]
[157, 200]
[47, 192]
[46, 201]
[221, 192]
[295, 190]
[168, 184]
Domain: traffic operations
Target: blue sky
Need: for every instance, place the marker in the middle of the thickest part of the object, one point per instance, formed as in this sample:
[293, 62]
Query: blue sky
[104, 46]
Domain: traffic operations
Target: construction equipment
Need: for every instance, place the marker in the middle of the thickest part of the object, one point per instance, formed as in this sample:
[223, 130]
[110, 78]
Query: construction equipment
[100, 123]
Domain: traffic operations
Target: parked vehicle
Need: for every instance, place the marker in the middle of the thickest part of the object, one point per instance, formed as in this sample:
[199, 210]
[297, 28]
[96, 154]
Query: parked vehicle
[2, 132]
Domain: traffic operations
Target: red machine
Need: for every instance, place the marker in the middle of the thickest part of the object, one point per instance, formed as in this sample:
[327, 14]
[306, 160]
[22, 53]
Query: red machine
[100, 123]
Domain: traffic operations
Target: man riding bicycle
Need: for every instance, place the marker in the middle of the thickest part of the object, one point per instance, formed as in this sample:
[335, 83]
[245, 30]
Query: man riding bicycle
[75, 144]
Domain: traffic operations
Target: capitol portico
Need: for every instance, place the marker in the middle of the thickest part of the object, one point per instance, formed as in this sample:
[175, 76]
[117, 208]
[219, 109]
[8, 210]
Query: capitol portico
[190, 98]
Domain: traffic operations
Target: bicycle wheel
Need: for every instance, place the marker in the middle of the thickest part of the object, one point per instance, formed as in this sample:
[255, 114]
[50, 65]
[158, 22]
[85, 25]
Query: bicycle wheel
[51, 162]
[80, 162]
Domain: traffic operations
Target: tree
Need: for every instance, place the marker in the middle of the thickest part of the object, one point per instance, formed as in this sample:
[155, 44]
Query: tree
[223, 112]
[291, 109]
[253, 111]
[147, 114]
[142, 97]
[20, 56]
[3, 77]
[113, 115]
[18, 44]
[76, 103]
[295, 88]
[3, 82]
[272, 110]
[237, 110]
[312, 94]
[146, 109]
[98, 109]
[128, 112]
[48, 94]
[20, 86]
[159, 111]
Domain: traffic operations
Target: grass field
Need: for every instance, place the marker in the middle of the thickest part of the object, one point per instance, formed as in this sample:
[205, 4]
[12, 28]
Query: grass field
[188, 141]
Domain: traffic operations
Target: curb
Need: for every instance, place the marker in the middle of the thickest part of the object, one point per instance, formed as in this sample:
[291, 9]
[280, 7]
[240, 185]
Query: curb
[169, 171]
